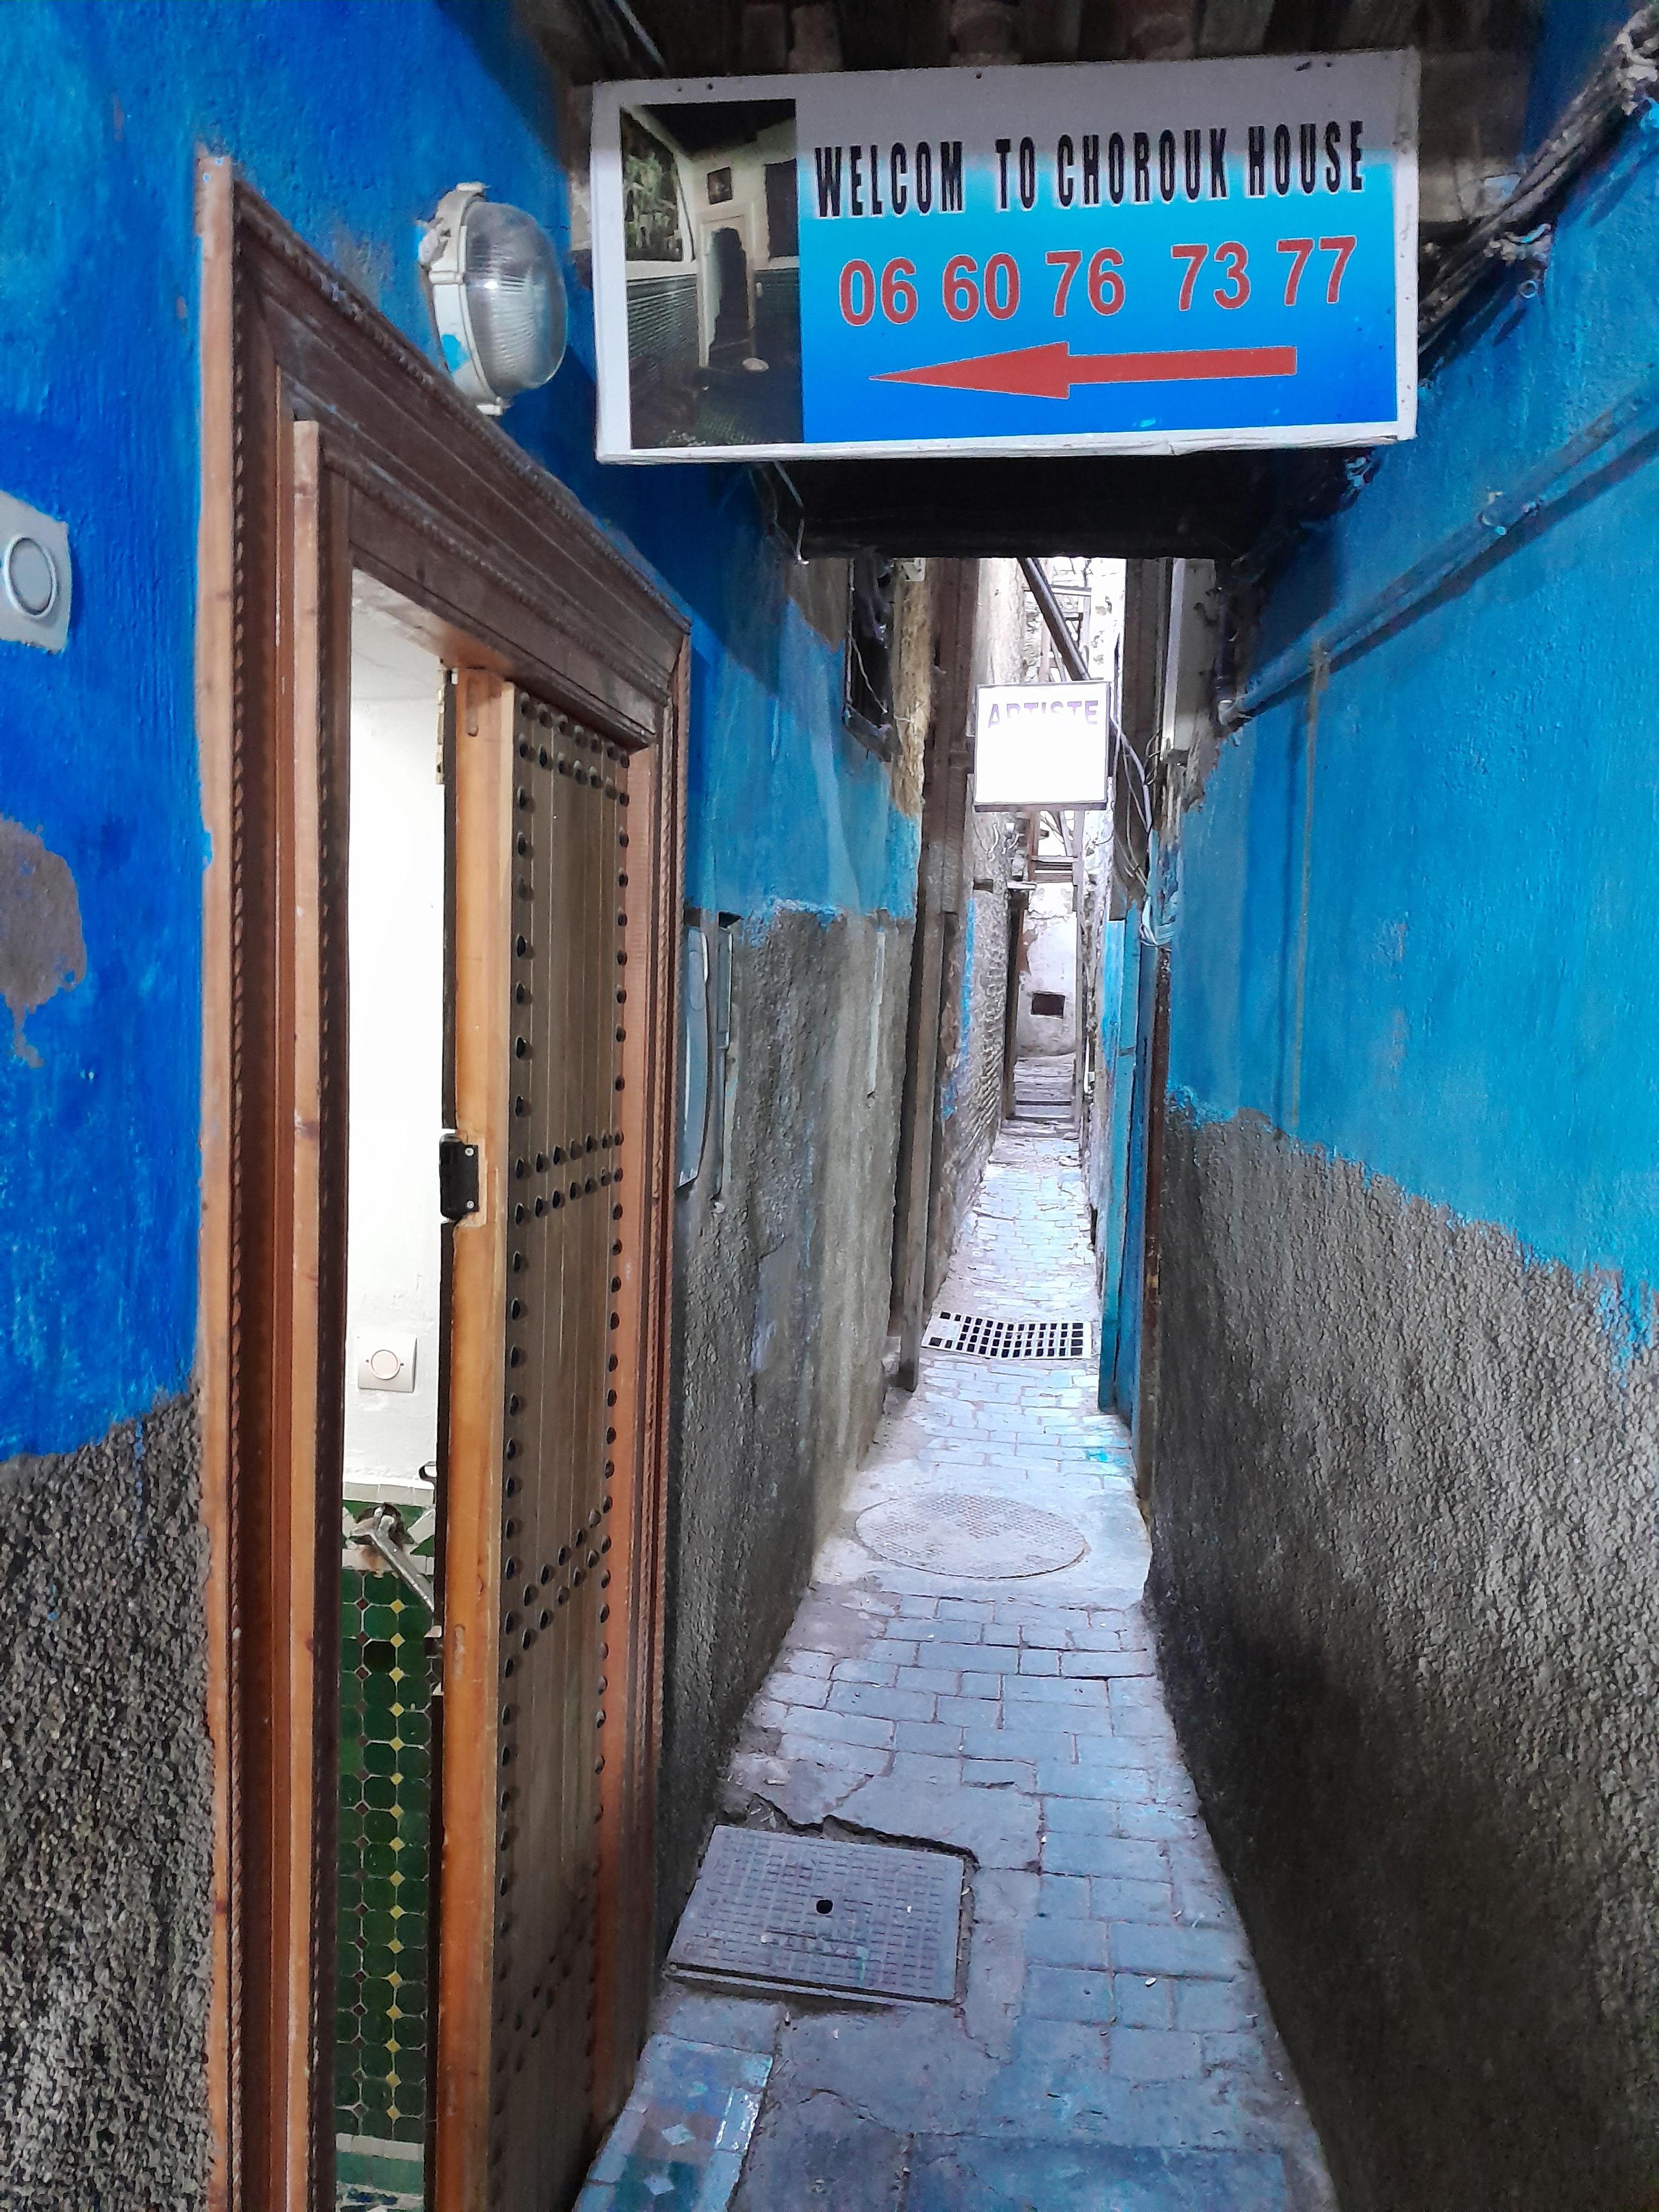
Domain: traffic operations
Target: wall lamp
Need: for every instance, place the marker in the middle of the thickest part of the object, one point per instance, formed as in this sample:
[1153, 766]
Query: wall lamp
[497, 298]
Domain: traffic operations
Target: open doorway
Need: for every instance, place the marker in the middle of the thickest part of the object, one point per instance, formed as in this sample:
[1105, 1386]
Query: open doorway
[486, 1264]
[389, 1654]
[440, 723]
[1042, 987]
[729, 309]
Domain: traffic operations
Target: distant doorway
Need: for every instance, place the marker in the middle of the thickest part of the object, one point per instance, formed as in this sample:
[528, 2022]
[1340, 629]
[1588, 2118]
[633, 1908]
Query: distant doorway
[731, 330]
[1042, 1009]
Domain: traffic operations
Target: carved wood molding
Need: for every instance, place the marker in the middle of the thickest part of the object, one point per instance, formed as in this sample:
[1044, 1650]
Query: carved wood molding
[410, 484]
[397, 429]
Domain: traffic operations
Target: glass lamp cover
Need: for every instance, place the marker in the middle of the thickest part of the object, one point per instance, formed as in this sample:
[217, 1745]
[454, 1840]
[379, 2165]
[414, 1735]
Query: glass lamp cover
[514, 296]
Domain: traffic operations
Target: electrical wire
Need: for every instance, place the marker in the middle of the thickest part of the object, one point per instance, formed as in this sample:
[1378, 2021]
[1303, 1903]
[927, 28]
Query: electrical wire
[1122, 751]
[1626, 80]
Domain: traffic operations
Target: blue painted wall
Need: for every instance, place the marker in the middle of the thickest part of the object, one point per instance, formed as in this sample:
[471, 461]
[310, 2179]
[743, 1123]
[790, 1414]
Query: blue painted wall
[1417, 917]
[351, 117]
[1140, 986]
[1572, 37]
[1120, 998]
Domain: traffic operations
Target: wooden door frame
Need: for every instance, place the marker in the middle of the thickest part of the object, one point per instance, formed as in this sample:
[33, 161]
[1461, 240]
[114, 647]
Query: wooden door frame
[331, 445]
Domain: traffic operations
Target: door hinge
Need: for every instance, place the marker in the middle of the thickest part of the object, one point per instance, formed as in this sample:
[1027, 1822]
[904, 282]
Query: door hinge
[458, 1178]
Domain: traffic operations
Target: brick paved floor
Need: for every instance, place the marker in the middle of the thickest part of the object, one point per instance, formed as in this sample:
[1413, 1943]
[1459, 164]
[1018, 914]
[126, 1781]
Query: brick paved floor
[1111, 2048]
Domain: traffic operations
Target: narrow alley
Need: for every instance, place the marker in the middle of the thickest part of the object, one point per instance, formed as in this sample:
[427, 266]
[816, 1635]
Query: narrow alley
[1107, 2041]
[830, 1242]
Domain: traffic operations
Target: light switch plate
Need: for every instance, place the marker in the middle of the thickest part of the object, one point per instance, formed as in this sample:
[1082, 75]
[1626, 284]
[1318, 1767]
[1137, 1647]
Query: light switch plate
[386, 1361]
[35, 576]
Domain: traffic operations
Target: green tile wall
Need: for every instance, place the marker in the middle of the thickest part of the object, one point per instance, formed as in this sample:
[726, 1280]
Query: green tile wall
[386, 1681]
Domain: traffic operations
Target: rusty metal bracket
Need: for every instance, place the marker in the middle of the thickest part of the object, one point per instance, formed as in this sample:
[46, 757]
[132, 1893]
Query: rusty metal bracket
[381, 1530]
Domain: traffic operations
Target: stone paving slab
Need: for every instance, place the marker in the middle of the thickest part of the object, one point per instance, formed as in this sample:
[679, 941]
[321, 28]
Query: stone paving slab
[1111, 2047]
[978, 2177]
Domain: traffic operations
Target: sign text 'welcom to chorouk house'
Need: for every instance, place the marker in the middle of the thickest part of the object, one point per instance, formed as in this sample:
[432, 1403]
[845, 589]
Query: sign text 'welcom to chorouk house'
[1132, 257]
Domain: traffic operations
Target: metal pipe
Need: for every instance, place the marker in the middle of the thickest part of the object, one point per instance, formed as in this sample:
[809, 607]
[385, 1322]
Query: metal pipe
[1037, 577]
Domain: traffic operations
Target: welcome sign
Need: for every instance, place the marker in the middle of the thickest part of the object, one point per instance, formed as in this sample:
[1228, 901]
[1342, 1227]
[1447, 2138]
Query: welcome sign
[1139, 257]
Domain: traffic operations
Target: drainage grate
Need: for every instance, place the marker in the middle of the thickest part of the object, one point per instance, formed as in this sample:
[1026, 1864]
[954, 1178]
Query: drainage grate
[833, 1915]
[983, 1336]
[988, 1539]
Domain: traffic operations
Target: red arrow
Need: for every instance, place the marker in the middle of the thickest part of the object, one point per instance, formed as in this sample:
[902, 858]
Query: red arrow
[1048, 372]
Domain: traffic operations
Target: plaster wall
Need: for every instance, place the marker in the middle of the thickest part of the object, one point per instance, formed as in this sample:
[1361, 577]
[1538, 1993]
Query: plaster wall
[970, 1091]
[394, 1250]
[1050, 965]
[1106, 1166]
[975, 954]
[107, 1839]
[999, 624]
[351, 120]
[1404, 1569]
[1402, 1504]
[781, 1294]
[98, 401]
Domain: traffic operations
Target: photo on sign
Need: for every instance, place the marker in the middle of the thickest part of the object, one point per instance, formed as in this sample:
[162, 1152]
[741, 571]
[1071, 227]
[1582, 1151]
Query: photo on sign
[713, 273]
[1042, 745]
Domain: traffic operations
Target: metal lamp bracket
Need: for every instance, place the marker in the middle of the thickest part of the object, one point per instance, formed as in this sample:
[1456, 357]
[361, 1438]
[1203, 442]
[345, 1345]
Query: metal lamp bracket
[443, 265]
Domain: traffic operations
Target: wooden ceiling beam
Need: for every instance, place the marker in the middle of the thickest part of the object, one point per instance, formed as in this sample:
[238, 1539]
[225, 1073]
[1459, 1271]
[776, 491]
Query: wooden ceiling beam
[1233, 27]
[1137, 31]
[1204, 506]
[1372, 23]
[875, 34]
[1050, 30]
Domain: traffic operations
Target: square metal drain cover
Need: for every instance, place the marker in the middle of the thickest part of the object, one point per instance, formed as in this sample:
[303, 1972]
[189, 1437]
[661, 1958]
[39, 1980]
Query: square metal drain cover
[987, 1336]
[833, 1915]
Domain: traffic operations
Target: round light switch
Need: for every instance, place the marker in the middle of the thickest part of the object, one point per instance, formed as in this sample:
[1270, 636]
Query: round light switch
[30, 575]
[386, 1364]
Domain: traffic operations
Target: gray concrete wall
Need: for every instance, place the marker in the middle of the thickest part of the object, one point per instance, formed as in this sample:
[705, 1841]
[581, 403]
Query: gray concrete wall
[975, 953]
[782, 1295]
[1403, 1563]
[970, 1039]
[105, 1834]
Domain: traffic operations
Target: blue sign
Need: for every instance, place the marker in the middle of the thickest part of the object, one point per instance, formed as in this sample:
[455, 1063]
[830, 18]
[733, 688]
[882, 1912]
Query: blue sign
[1129, 257]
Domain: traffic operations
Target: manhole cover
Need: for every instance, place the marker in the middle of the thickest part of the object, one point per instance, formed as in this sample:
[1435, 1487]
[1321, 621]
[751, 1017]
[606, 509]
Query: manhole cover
[837, 1916]
[988, 1539]
[989, 1336]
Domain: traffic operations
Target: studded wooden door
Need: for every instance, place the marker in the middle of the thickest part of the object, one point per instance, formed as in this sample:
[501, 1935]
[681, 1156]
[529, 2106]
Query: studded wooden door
[544, 1318]
[335, 454]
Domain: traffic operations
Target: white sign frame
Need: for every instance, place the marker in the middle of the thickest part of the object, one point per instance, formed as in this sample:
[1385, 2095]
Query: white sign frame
[880, 96]
[1035, 710]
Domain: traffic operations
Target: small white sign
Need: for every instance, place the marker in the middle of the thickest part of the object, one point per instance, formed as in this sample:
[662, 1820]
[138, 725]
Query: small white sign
[1041, 744]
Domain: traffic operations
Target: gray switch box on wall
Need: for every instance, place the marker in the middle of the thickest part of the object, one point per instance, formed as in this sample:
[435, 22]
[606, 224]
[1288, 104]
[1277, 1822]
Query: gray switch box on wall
[34, 576]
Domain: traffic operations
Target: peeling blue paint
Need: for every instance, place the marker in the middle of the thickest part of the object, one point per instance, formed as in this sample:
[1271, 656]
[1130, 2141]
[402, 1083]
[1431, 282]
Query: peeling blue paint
[1140, 983]
[783, 803]
[352, 118]
[1572, 36]
[1120, 998]
[958, 1076]
[1426, 942]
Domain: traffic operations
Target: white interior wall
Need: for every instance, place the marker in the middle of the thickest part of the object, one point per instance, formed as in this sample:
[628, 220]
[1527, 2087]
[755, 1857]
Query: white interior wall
[395, 883]
[1050, 965]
